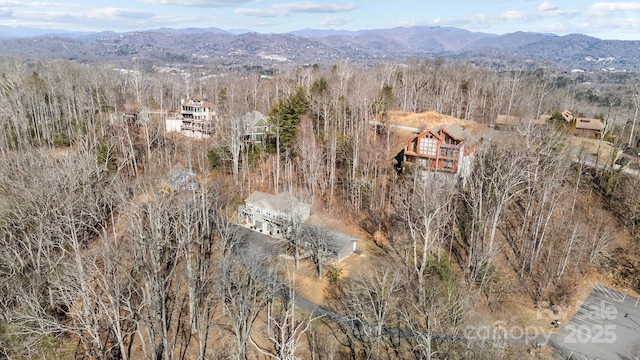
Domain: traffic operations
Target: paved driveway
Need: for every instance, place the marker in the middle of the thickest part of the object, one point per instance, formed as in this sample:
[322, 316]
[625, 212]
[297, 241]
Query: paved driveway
[606, 326]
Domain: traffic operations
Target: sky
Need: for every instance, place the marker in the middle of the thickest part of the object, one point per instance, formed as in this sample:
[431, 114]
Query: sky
[601, 19]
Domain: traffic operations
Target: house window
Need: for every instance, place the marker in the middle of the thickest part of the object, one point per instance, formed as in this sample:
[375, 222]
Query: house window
[449, 153]
[448, 164]
[428, 146]
[422, 162]
[267, 212]
[258, 210]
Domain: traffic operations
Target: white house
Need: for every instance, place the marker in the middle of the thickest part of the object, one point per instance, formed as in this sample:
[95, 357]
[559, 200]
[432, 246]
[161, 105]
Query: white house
[198, 117]
[272, 214]
[173, 125]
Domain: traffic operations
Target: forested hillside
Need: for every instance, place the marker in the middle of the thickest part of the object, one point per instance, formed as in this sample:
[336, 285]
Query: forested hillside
[99, 259]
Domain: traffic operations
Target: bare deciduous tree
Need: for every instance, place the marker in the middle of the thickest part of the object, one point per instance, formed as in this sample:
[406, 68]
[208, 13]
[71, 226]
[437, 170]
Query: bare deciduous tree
[368, 303]
[285, 326]
[249, 283]
[316, 242]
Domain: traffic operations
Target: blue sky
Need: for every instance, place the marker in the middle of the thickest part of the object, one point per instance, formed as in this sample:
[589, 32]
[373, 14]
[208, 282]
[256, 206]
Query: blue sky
[602, 19]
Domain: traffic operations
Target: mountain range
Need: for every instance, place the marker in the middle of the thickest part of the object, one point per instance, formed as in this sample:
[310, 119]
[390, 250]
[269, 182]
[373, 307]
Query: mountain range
[310, 46]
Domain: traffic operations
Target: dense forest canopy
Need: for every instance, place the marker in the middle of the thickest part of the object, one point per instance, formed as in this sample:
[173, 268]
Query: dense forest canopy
[99, 260]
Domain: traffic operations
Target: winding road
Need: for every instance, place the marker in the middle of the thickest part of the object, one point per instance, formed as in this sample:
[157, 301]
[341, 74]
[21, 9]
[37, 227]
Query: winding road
[499, 336]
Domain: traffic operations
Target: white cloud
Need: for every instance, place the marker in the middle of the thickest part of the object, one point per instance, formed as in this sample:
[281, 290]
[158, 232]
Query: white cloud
[484, 20]
[478, 21]
[547, 6]
[97, 19]
[312, 7]
[198, 3]
[620, 29]
[334, 21]
[37, 4]
[605, 9]
[259, 12]
[114, 13]
[285, 9]
[519, 15]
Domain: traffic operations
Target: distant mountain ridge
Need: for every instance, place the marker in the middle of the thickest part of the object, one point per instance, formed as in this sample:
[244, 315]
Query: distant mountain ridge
[513, 50]
[511, 41]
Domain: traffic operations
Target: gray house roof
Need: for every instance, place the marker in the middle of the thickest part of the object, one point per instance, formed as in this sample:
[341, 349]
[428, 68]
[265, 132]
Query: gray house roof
[186, 180]
[454, 130]
[253, 118]
[284, 201]
[338, 243]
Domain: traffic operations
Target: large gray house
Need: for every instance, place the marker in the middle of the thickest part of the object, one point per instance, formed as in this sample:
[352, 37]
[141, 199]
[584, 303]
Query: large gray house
[272, 214]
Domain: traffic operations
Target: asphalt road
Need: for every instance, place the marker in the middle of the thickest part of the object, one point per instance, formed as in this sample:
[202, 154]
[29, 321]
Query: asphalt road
[606, 326]
[491, 334]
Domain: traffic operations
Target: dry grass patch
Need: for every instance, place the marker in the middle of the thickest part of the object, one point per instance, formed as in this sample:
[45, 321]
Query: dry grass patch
[429, 119]
[589, 148]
